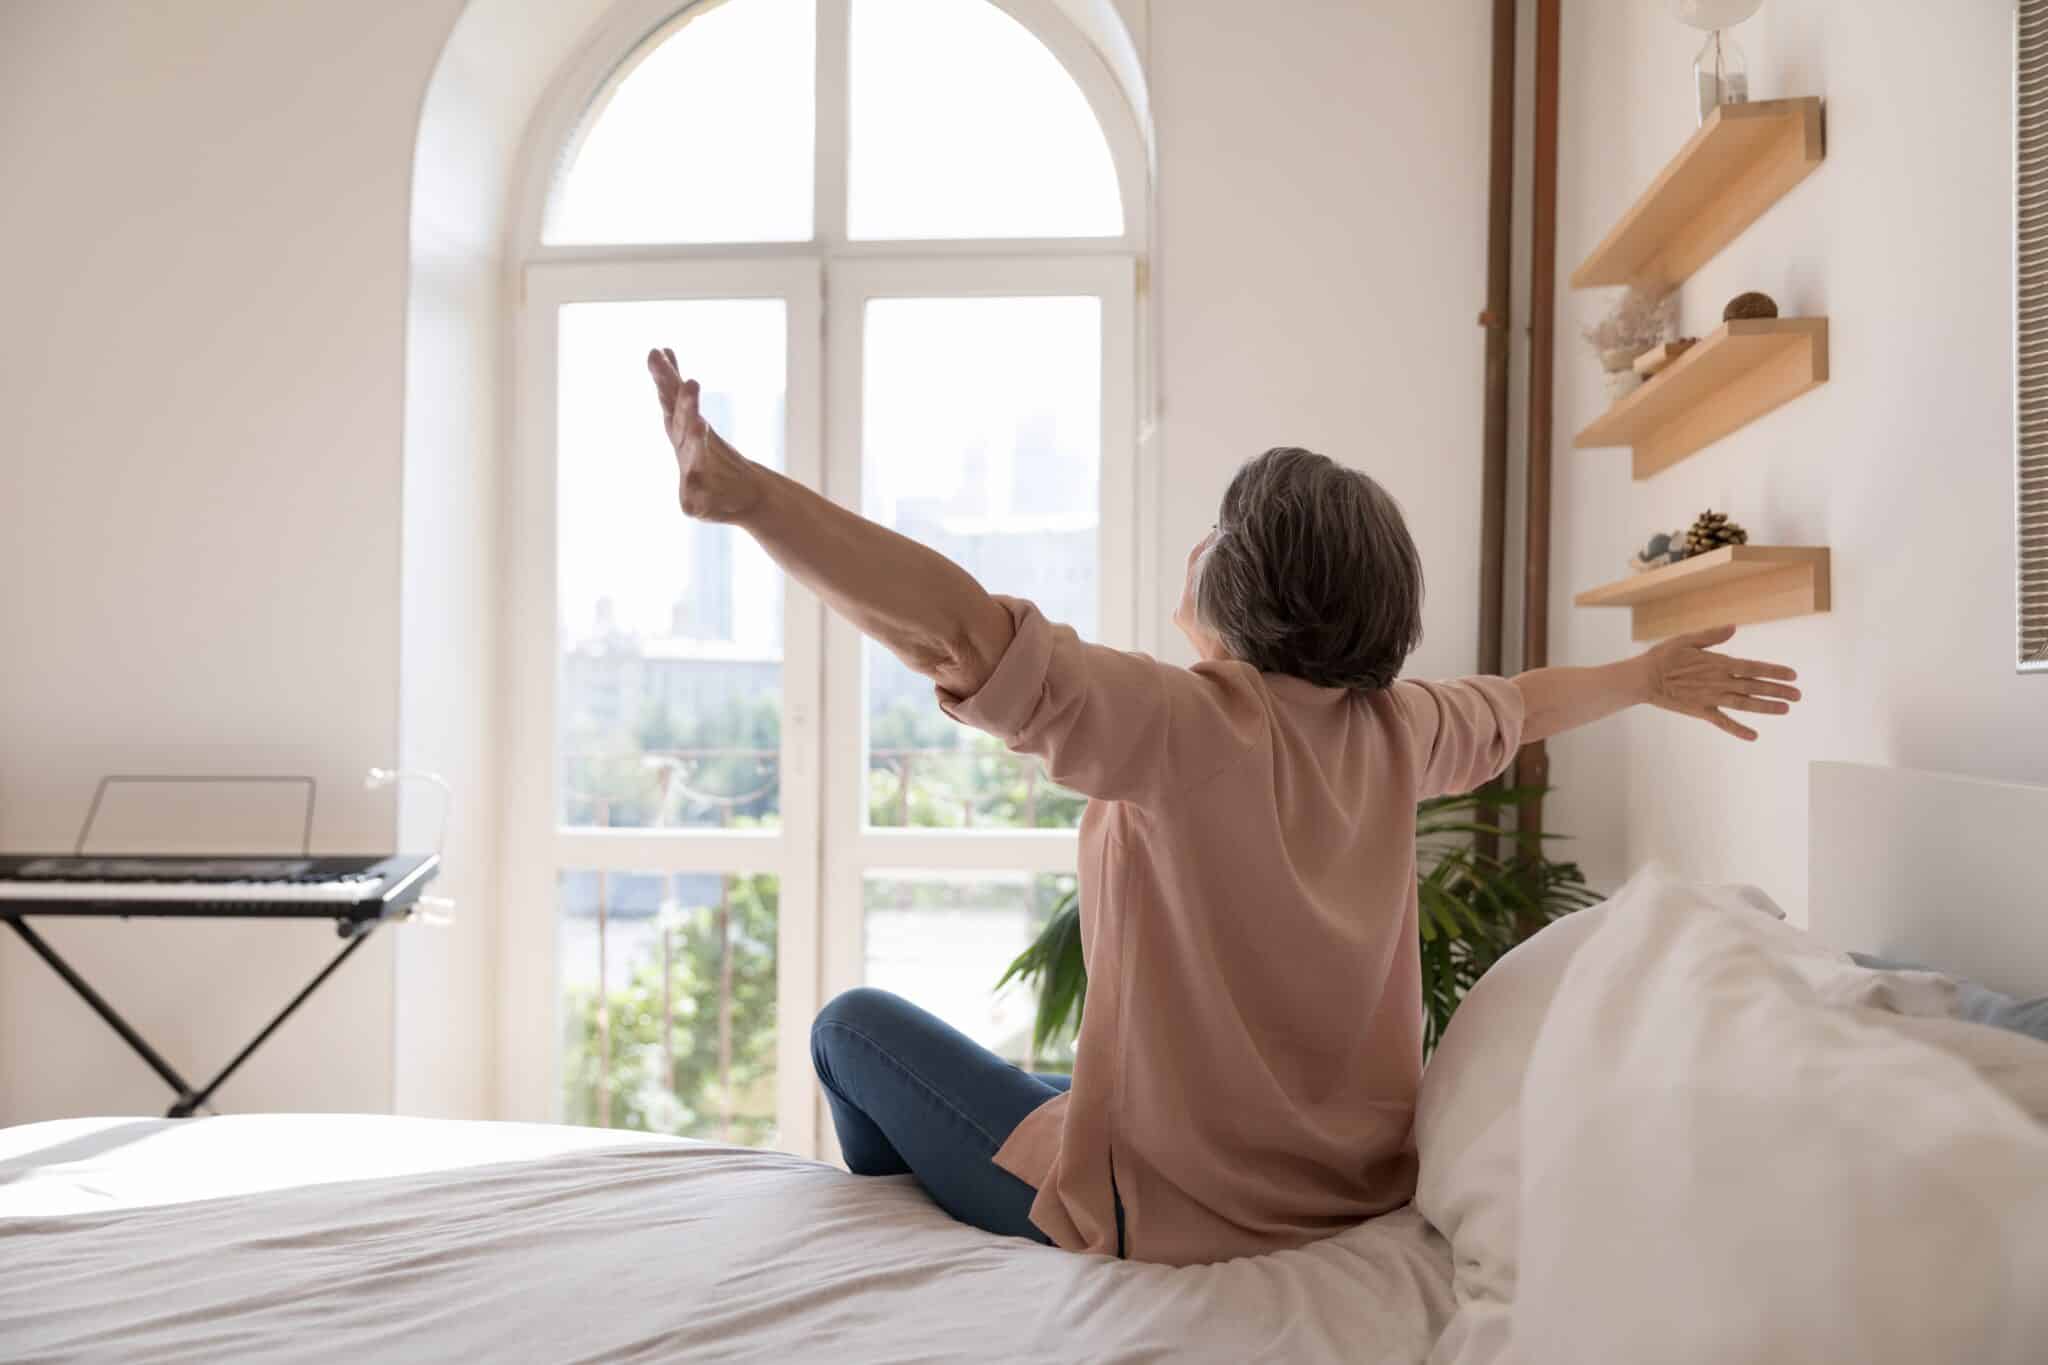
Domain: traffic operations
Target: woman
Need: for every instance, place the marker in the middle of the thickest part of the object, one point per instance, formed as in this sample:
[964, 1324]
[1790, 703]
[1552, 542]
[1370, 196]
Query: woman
[1247, 1067]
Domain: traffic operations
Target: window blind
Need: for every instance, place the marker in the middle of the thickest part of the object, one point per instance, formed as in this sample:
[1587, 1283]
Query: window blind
[2030, 270]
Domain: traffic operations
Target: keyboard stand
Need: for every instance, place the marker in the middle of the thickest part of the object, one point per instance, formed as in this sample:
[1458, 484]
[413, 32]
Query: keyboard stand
[189, 1101]
[354, 922]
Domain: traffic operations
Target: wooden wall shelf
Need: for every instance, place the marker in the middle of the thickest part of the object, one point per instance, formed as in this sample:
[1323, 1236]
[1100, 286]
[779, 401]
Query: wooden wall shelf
[1742, 160]
[1732, 377]
[1737, 585]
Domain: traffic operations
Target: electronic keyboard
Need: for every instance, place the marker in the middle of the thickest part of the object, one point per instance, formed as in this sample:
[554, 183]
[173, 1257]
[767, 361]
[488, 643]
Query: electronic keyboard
[349, 890]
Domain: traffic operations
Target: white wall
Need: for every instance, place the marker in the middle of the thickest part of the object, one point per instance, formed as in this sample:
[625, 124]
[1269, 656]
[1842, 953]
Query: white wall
[204, 251]
[1902, 463]
[217, 560]
[1322, 264]
[474, 129]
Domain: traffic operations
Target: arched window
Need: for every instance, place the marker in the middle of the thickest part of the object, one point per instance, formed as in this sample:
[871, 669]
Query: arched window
[896, 242]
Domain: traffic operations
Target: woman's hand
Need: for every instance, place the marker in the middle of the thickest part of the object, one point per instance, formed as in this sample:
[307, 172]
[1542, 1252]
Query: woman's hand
[927, 610]
[714, 481]
[1684, 675]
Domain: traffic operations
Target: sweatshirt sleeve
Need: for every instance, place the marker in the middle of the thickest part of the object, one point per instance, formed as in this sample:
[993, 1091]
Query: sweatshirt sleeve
[1464, 732]
[1111, 724]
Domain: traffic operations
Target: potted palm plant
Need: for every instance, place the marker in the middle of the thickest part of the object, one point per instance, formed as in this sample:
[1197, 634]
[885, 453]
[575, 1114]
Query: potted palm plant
[1483, 888]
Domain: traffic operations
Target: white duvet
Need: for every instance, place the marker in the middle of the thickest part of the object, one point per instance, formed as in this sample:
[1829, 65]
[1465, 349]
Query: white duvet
[1673, 1129]
[427, 1240]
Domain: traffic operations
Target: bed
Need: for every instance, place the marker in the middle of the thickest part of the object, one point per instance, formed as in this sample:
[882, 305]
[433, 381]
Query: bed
[1577, 1203]
[350, 1238]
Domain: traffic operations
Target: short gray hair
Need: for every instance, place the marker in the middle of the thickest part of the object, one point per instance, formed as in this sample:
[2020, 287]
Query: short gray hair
[1313, 573]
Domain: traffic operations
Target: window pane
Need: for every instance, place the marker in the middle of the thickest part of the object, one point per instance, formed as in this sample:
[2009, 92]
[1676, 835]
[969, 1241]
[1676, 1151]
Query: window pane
[671, 630]
[964, 125]
[706, 138]
[982, 437]
[681, 1037]
[943, 939]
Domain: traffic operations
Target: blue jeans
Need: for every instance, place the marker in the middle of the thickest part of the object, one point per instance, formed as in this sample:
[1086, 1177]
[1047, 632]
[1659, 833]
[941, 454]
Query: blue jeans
[909, 1093]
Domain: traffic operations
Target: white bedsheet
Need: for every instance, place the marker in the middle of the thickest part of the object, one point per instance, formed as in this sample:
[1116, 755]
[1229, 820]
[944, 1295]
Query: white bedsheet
[293, 1237]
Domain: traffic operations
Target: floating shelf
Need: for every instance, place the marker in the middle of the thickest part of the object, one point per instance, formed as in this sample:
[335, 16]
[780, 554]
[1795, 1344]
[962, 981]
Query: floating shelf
[1736, 585]
[1732, 377]
[1741, 161]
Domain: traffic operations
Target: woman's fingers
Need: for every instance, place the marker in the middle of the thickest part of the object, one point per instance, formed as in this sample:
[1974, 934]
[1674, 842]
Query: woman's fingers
[678, 395]
[666, 384]
[1714, 716]
[1708, 685]
[1754, 687]
[1757, 668]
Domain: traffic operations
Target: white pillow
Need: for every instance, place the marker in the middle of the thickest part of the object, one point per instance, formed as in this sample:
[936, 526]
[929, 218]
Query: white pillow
[1468, 1116]
[1718, 1164]
[1468, 1130]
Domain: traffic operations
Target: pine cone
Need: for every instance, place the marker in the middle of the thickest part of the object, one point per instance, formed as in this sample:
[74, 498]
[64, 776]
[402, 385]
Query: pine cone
[1711, 532]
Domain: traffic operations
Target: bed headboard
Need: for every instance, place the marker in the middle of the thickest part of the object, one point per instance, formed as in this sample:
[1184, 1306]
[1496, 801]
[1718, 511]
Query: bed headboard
[1947, 871]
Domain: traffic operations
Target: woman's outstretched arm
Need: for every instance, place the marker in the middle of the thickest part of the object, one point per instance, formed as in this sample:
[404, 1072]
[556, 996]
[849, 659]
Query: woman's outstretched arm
[1681, 674]
[925, 609]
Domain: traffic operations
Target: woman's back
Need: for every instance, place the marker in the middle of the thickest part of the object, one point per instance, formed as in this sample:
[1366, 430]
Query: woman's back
[1249, 1057]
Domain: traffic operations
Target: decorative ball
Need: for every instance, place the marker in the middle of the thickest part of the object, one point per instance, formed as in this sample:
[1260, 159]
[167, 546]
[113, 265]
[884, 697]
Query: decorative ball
[1750, 305]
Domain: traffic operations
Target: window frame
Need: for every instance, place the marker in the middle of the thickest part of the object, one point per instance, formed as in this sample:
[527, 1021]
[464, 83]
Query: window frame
[852, 848]
[823, 849]
[538, 845]
[579, 95]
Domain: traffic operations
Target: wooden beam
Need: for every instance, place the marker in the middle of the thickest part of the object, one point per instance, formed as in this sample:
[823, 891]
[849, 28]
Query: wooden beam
[1497, 320]
[1533, 769]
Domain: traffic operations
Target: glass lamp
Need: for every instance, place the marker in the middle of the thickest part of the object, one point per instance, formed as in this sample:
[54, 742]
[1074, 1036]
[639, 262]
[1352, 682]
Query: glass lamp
[1720, 72]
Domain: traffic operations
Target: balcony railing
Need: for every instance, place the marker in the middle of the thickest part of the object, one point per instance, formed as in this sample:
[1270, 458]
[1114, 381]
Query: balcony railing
[723, 788]
[672, 788]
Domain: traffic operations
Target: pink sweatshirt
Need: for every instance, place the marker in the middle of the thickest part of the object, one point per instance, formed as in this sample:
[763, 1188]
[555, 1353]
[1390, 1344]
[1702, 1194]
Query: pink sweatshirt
[1251, 1049]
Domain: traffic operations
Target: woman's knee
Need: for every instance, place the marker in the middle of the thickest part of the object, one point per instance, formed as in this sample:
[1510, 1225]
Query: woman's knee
[863, 1012]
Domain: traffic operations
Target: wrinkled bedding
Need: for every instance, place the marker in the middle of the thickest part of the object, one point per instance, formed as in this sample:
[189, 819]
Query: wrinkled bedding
[300, 1237]
[1674, 1128]
[1731, 1152]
